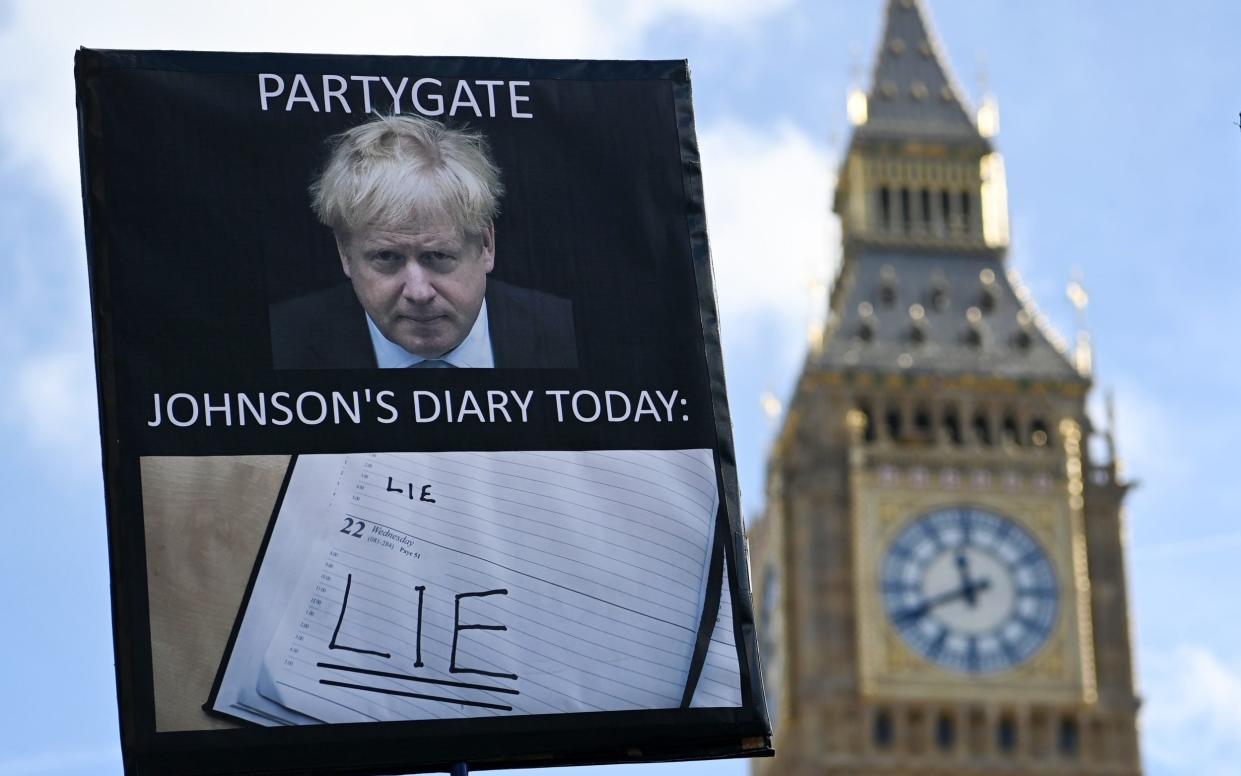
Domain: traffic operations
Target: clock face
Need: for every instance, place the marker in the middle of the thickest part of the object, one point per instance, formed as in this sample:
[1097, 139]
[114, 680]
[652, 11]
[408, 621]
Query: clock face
[969, 590]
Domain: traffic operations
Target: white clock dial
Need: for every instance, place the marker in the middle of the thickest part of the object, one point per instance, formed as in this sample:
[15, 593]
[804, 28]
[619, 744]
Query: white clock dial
[969, 590]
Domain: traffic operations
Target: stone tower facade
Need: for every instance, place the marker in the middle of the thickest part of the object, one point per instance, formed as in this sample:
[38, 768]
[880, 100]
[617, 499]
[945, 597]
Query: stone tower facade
[940, 571]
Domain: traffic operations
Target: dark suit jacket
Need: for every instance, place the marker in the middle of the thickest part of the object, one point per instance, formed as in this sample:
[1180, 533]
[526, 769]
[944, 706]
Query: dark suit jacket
[327, 330]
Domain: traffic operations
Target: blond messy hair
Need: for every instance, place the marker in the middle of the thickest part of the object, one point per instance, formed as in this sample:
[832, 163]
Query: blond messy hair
[394, 169]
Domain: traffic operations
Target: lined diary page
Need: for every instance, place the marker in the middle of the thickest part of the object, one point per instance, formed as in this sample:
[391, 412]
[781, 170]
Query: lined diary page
[442, 585]
[720, 682]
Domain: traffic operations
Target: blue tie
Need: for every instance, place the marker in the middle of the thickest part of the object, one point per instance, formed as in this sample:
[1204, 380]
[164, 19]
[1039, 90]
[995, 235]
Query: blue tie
[432, 363]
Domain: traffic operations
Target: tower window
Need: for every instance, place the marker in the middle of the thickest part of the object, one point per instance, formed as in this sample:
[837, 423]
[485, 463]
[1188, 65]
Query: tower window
[885, 207]
[868, 432]
[922, 424]
[1068, 737]
[965, 211]
[893, 420]
[952, 425]
[906, 211]
[1011, 434]
[945, 732]
[945, 207]
[926, 209]
[1006, 735]
[982, 430]
[1038, 432]
[882, 731]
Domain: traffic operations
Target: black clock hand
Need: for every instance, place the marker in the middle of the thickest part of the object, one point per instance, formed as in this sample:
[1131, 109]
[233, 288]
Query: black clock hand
[967, 585]
[967, 592]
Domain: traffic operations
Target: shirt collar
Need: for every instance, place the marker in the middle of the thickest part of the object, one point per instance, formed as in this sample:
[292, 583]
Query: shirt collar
[474, 352]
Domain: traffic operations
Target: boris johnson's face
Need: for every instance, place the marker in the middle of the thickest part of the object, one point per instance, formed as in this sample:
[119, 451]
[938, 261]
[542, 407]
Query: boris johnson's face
[422, 286]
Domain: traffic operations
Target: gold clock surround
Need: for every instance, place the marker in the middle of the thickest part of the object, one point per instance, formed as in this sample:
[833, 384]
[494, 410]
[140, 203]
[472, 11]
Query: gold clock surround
[1060, 672]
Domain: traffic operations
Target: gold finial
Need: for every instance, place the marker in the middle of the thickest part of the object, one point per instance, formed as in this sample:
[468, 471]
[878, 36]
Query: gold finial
[1083, 356]
[988, 114]
[772, 406]
[1077, 294]
[858, 107]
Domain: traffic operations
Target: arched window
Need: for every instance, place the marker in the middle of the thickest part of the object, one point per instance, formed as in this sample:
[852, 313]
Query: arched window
[922, 424]
[1038, 432]
[894, 424]
[885, 207]
[868, 432]
[882, 730]
[973, 334]
[945, 209]
[952, 425]
[887, 292]
[907, 212]
[926, 210]
[945, 732]
[982, 430]
[965, 211]
[866, 331]
[1068, 737]
[1011, 433]
[1006, 735]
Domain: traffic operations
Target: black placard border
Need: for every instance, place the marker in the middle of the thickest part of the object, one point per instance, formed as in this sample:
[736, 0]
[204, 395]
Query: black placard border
[424, 745]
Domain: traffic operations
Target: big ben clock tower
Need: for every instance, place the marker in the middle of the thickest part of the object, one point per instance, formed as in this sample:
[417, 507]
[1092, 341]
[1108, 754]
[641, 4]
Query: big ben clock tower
[940, 570]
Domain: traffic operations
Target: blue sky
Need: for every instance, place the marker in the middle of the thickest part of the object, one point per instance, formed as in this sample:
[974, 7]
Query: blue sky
[1123, 163]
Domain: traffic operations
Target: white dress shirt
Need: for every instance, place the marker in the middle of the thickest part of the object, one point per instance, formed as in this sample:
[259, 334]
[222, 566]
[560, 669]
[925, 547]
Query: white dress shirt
[474, 352]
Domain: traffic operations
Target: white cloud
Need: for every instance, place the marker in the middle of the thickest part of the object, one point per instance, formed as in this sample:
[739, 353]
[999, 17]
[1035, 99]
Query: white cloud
[56, 394]
[1192, 714]
[770, 229]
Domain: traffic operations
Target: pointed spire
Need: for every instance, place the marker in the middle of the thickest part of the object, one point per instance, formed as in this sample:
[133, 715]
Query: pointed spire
[913, 94]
